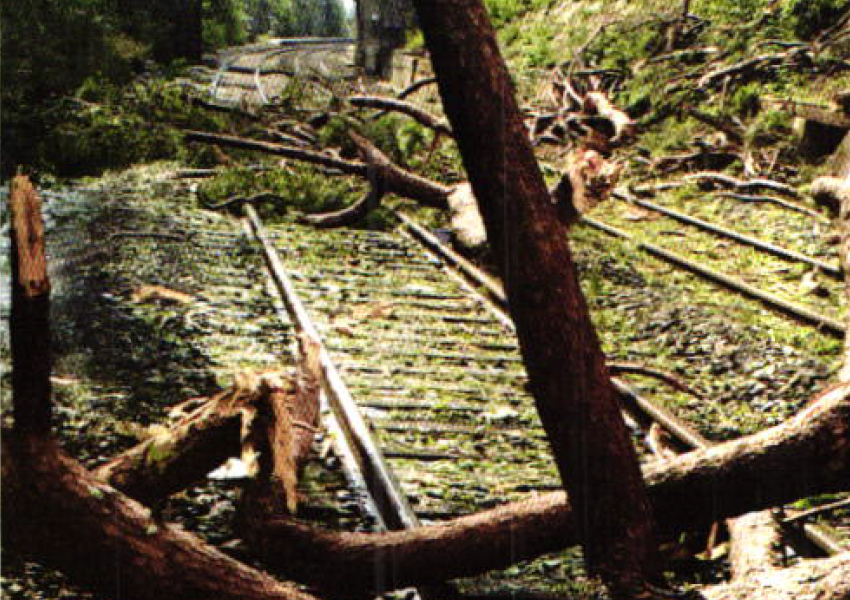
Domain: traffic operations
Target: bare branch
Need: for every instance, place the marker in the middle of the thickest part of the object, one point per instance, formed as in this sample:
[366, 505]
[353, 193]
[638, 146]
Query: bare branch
[390, 104]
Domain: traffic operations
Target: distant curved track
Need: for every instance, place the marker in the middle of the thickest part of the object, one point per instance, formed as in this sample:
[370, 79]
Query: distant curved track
[246, 77]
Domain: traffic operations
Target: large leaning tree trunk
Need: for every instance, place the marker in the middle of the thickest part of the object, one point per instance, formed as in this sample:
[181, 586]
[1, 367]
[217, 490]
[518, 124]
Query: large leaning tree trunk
[566, 368]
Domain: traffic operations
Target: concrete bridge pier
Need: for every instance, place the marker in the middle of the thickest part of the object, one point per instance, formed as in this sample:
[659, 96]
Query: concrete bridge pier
[381, 27]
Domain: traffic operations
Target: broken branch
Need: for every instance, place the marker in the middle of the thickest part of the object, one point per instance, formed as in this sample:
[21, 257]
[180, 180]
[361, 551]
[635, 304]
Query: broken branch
[390, 104]
[738, 184]
[317, 158]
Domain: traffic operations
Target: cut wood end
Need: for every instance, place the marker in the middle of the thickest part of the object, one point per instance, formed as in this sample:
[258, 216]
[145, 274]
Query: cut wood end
[309, 355]
[28, 238]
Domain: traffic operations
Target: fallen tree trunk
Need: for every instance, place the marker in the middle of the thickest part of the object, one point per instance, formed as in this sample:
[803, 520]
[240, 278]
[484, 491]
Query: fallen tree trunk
[173, 460]
[807, 455]
[395, 179]
[63, 516]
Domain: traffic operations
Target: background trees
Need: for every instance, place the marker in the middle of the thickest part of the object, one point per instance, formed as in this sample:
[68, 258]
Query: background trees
[53, 50]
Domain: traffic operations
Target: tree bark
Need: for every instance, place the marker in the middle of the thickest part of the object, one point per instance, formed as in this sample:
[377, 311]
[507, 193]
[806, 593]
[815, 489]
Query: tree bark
[571, 386]
[282, 434]
[171, 461]
[29, 325]
[59, 513]
[808, 455]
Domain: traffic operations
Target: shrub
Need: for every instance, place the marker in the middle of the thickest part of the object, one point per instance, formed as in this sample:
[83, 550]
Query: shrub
[807, 18]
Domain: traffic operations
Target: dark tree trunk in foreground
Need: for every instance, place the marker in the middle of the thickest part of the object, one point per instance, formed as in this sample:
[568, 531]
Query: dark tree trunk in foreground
[571, 386]
[55, 510]
[58, 512]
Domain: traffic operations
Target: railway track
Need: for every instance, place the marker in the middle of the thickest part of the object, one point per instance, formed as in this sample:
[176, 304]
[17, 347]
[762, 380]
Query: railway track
[415, 336]
[427, 399]
[256, 75]
[464, 383]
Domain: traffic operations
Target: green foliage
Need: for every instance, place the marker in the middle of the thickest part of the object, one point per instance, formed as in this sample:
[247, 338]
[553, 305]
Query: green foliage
[335, 134]
[412, 138]
[108, 126]
[224, 23]
[380, 219]
[399, 137]
[615, 50]
[771, 126]
[809, 17]
[53, 47]
[294, 18]
[746, 100]
[729, 11]
[305, 189]
[50, 47]
[540, 51]
[506, 11]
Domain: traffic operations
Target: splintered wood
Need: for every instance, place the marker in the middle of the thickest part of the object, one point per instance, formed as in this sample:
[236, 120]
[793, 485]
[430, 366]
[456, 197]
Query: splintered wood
[28, 239]
[280, 433]
[29, 323]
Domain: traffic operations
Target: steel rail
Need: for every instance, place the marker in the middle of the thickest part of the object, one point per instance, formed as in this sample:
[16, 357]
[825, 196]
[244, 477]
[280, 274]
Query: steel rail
[812, 512]
[314, 47]
[380, 480]
[278, 45]
[785, 253]
[637, 406]
[495, 290]
[827, 324]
